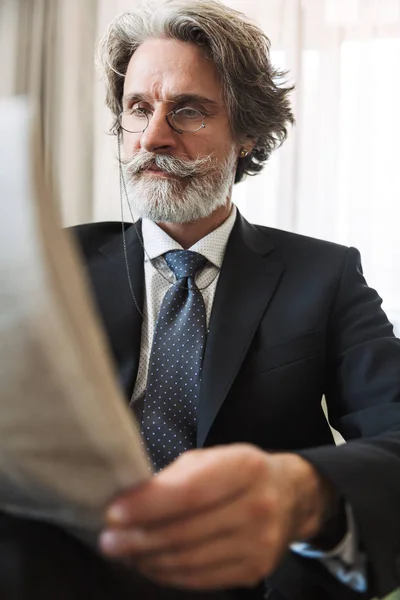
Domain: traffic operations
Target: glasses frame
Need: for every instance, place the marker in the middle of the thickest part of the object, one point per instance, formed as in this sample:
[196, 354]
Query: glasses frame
[169, 117]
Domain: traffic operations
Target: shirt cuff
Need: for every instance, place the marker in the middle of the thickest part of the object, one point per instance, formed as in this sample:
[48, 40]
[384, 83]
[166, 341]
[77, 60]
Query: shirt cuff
[345, 561]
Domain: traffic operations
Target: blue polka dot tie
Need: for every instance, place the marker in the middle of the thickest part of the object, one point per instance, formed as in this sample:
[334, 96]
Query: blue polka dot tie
[169, 415]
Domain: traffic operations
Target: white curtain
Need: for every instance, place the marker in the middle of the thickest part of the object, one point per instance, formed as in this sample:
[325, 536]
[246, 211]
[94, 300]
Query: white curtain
[48, 48]
[337, 177]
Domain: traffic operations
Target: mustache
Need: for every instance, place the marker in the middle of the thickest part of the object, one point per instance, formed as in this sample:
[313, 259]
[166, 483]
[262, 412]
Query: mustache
[180, 167]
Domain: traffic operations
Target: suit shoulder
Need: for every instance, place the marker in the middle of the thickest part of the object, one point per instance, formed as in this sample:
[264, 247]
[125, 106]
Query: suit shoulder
[302, 252]
[287, 240]
[91, 236]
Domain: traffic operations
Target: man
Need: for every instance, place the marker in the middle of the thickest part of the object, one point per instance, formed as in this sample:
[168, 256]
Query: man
[226, 335]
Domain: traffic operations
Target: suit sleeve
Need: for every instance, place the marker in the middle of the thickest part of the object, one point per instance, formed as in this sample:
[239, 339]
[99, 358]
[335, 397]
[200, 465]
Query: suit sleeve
[363, 398]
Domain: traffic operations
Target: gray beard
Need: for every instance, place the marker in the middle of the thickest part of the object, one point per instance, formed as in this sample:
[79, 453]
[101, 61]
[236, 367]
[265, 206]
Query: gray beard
[180, 199]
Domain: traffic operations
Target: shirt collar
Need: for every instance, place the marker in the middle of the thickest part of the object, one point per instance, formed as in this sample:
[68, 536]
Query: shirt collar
[157, 242]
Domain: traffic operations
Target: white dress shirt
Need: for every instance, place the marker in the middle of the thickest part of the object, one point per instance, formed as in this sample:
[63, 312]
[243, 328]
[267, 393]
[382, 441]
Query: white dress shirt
[159, 278]
[344, 561]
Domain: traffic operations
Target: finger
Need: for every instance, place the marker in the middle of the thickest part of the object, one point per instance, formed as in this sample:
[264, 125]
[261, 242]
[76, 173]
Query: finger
[234, 574]
[196, 481]
[236, 516]
[210, 555]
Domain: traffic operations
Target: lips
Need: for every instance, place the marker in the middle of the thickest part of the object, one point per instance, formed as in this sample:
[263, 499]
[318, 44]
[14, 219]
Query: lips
[155, 170]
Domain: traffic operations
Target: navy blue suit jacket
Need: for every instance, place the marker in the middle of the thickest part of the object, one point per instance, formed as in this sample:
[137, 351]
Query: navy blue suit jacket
[292, 319]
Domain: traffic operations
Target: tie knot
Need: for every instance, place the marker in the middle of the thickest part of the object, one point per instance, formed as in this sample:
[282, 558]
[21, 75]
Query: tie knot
[184, 263]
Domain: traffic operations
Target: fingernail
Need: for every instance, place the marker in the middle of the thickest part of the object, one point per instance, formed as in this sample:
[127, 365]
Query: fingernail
[116, 514]
[107, 541]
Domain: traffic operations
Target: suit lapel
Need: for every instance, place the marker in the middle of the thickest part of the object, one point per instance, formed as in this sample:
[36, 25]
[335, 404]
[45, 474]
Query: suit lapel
[121, 316]
[247, 282]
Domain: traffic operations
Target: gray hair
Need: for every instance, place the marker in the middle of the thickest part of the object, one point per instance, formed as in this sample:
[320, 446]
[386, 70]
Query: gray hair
[253, 89]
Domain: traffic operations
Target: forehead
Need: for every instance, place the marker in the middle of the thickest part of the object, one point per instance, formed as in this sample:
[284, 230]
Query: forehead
[163, 68]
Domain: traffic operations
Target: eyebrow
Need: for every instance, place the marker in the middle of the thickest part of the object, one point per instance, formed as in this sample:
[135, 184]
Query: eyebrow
[177, 99]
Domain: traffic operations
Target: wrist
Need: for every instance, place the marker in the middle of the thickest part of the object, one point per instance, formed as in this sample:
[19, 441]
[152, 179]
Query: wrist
[315, 498]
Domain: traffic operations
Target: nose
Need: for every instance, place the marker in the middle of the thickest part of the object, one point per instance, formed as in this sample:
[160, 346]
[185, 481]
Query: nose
[159, 136]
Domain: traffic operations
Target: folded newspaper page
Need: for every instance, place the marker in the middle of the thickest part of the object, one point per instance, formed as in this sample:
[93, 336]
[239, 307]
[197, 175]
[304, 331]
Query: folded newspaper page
[68, 442]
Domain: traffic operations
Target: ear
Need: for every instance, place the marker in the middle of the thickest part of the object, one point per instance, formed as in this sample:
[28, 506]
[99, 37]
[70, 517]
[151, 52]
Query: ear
[249, 146]
[246, 148]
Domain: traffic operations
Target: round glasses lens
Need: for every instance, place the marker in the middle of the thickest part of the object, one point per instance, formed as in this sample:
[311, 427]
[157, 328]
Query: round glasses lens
[135, 120]
[188, 119]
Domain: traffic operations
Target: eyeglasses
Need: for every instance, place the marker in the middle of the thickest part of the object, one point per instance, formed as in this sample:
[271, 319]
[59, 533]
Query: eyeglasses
[182, 120]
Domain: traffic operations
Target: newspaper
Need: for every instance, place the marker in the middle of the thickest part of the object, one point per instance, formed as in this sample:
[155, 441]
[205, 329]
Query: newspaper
[68, 442]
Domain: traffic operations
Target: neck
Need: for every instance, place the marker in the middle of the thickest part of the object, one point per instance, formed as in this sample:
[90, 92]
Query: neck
[187, 234]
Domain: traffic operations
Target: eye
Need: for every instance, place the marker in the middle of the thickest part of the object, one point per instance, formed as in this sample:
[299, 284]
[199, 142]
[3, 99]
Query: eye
[138, 111]
[188, 113]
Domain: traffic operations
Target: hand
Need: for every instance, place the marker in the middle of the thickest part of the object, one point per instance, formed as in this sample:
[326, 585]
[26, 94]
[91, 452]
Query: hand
[217, 518]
